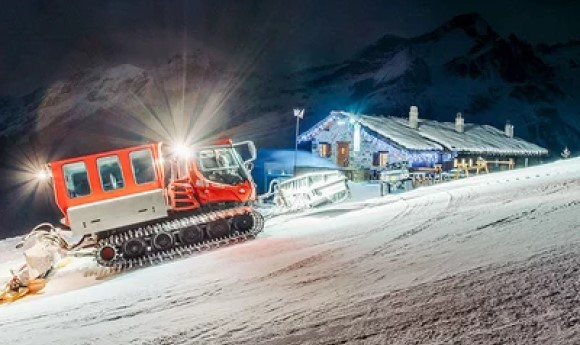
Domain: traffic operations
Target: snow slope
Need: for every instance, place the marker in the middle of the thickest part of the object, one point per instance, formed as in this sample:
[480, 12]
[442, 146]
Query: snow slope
[490, 260]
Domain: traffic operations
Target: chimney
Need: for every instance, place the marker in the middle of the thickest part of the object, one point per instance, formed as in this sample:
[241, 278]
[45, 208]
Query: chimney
[414, 117]
[459, 123]
[509, 129]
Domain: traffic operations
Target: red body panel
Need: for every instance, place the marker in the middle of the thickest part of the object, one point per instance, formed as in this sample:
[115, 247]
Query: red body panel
[185, 193]
[208, 191]
[97, 193]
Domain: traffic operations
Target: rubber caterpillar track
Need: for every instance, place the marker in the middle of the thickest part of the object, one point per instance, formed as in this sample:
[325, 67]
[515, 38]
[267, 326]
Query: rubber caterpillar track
[176, 232]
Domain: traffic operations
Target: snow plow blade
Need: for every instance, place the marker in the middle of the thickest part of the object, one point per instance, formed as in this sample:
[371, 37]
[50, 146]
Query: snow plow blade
[306, 191]
[43, 247]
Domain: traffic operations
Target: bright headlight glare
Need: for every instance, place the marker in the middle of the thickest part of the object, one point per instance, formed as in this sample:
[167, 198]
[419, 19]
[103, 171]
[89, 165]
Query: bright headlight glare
[43, 175]
[181, 151]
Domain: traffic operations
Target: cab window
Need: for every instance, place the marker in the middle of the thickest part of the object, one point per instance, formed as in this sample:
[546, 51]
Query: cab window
[142, 165]
[76, 179]
[110, 173]
[221, 166]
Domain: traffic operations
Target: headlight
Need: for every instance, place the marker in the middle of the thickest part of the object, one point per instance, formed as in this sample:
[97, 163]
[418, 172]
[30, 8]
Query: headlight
[181, 151]
[43, 175]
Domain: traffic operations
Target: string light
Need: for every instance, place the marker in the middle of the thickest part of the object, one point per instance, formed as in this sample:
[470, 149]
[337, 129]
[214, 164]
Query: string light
[415, 158]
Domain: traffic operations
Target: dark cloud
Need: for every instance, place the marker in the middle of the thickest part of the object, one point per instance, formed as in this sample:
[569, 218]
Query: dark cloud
[45, 40]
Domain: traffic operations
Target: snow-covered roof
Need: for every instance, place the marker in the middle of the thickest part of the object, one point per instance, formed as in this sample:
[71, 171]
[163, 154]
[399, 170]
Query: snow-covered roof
[478, 139]
[435, 135]
[395, 131]
[398, 132]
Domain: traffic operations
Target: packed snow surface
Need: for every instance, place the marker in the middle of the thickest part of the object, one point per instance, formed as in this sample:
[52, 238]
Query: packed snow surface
[491, 259]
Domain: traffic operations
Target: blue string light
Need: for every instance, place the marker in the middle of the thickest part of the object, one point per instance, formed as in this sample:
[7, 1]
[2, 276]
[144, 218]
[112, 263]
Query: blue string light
[415, 158]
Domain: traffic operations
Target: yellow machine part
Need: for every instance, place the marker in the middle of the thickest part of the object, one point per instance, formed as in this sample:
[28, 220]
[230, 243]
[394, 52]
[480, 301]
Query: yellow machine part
[32, 287]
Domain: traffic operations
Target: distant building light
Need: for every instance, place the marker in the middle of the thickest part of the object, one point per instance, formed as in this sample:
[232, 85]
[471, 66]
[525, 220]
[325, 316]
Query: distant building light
[381, 159]
[324, 149]
[356, 137]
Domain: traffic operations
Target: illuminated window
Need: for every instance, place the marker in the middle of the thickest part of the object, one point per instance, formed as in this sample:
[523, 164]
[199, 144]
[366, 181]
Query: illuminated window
[324, 149]
[142, 164]
[110, 173]
[381, 159]
[76, 179]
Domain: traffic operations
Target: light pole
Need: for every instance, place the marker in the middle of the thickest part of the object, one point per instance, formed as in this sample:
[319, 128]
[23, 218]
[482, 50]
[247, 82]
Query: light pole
[299, 113]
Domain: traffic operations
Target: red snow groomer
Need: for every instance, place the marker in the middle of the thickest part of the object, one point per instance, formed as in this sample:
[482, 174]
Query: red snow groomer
[142, 205]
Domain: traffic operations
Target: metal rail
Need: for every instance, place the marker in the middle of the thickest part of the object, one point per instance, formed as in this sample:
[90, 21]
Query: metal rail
[306, 191]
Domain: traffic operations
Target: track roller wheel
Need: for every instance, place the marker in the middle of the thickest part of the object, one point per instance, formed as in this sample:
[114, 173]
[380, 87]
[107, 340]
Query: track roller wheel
[107, 253]
[191, 235]
[162, 241]
[218, 229]
[134, 248]
[243, 223]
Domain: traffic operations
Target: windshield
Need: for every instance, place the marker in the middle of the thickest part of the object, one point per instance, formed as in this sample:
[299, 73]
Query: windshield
[222, 165]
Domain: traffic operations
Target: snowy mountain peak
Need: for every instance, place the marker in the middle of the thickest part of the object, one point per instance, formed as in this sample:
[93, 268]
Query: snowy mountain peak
[123, 72]
[469, 32]
[82, 95]
[472, 23]
[463, 65]
[385, 45]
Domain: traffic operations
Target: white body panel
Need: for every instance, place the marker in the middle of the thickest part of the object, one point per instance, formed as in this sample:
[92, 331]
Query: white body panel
[118, 212]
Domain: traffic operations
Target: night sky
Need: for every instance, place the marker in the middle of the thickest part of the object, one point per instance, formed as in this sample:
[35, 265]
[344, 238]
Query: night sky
[41, 41]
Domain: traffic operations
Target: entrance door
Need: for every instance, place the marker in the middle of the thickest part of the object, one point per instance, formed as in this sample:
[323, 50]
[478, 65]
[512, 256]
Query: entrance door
[342, 149]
